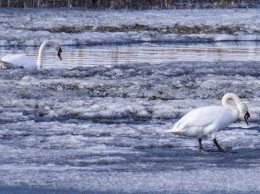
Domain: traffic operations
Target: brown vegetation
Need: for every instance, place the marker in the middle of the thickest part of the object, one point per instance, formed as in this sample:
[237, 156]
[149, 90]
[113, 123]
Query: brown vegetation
[133, 4]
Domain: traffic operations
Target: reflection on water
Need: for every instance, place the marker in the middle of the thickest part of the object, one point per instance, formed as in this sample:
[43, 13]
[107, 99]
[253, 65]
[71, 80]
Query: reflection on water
[109, 55]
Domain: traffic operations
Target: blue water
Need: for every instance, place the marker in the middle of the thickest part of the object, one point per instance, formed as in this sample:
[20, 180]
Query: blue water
[109, 55]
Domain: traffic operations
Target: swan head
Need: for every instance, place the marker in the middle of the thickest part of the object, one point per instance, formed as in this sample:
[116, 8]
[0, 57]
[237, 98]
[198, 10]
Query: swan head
[58, 49]
[243, 110]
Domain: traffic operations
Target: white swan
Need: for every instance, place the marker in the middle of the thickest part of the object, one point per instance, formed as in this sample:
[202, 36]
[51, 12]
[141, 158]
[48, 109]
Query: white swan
[23, 61]
[205, 121]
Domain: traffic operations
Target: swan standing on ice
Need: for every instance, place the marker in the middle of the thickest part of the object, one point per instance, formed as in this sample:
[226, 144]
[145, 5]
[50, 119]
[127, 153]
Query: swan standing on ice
[23, 61]
[205, 121]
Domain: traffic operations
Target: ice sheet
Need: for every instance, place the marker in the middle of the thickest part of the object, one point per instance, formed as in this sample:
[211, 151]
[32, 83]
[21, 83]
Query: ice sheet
[79, 26]
[102, 129]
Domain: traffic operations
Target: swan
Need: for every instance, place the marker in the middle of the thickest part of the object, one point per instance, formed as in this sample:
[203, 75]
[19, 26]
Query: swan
[206, 121]
[23, 61]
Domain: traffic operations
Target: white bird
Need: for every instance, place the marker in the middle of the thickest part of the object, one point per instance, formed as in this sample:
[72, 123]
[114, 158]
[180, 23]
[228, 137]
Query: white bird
[206, 121]
[23, 61]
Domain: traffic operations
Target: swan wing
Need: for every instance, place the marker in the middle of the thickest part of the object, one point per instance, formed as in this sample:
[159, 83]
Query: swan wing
[17, 61]
[199, 122]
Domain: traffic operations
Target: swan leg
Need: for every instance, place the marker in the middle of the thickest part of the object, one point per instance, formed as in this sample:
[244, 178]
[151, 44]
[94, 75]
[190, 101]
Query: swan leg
[200, 145]
[220, 149]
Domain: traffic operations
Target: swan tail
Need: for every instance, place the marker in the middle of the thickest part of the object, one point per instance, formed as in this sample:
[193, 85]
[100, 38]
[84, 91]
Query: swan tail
[173, 130]
[168, 131]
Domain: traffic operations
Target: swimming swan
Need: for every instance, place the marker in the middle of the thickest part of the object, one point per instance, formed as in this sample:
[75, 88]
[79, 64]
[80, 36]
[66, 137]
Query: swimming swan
[23, 61]
[205, 121]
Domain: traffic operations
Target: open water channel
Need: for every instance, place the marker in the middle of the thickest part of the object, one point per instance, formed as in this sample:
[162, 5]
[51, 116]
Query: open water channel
[110, 55]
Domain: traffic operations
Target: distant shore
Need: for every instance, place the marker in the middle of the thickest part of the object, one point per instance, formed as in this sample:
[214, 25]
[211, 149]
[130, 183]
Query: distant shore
[133, 4]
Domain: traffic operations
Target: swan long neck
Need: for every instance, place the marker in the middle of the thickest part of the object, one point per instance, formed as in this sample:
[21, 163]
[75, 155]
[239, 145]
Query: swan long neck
[231, 96]
[40, 52]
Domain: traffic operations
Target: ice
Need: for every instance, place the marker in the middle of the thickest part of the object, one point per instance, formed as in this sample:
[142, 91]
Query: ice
[129, 91]
[109, 27]
[103, 129]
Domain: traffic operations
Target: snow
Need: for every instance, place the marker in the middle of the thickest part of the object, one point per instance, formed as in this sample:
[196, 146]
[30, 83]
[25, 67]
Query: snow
[102, 129]
[99, 129]
[120, 26]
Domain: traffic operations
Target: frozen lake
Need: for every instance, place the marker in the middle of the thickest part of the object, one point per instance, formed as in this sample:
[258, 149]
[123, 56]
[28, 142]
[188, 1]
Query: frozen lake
[101, 129]
[95, 122]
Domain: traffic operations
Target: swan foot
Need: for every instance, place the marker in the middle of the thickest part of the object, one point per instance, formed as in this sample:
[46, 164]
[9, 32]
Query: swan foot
[220, 149]
[200, 146]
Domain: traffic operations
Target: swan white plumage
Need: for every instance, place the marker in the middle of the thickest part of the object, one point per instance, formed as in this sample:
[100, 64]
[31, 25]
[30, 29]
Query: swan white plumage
[23, 61]
[206, 121]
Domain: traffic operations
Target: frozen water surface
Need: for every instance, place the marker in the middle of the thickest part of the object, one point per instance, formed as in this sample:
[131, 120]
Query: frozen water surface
[101, 128]
[79, 26]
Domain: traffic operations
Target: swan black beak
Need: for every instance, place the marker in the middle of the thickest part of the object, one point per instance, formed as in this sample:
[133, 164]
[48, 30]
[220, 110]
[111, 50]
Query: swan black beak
[247, 115]
[59, 54]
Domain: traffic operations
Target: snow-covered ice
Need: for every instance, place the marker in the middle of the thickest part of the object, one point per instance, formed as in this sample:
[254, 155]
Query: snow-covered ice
[79, 26]
[102, 129]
